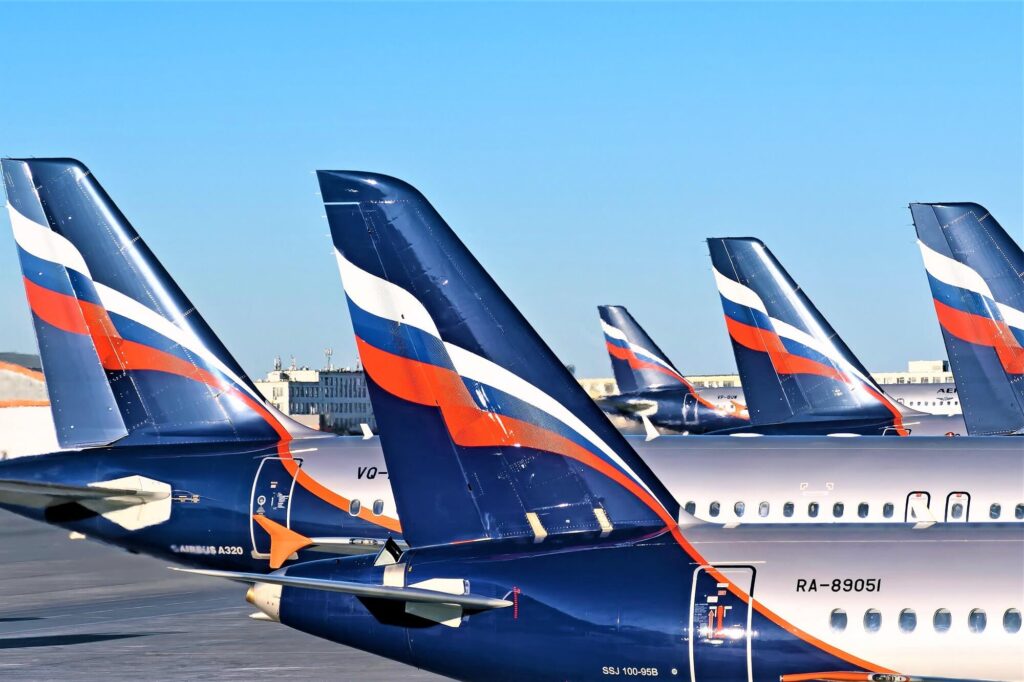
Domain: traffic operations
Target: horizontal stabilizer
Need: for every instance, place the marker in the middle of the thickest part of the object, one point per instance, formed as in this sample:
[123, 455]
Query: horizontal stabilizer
[285, 542]
[132, 502]
[470, 602]
[59, 492]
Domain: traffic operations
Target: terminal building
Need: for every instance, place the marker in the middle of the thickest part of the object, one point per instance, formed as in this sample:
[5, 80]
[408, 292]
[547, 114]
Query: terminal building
[329, 399]
[26, 424]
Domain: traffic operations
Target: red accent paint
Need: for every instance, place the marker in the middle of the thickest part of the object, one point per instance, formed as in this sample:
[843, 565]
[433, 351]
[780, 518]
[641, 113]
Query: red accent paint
[635, 362]
[764, 341]
[55, 309]
[828, 677]
[468, 426]
[118, 354]
[983, 331]
[515, 603]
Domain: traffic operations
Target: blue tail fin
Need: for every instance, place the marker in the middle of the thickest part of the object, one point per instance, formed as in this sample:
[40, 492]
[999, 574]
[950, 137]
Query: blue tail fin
[793, 365]
[123, 350]
[976, 274]
[638, 363]
[485, 432]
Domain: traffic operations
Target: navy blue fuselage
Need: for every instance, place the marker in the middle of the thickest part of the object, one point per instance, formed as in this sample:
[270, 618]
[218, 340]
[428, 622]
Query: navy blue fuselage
[677, 410]
[217, 490]
[583, 608]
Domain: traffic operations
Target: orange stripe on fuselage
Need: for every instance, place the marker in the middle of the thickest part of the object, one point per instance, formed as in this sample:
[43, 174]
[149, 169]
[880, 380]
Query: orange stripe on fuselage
[983, 331]
[469, 426]
[827, 677]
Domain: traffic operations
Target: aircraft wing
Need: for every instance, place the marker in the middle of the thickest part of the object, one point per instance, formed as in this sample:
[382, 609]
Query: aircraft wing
[419, 595]
[840, 676]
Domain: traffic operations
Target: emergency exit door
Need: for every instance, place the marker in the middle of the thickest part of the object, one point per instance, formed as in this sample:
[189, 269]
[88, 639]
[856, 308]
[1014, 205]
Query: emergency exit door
[272, 489]
[690, 416]
[720, 623]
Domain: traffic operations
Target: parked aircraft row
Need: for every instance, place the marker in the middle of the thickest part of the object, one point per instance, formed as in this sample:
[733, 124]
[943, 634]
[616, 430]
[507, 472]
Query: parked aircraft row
[503, 528]
[801, 378]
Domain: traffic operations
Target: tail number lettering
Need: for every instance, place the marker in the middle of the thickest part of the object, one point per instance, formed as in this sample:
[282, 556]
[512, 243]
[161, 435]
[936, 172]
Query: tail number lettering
[839, 585]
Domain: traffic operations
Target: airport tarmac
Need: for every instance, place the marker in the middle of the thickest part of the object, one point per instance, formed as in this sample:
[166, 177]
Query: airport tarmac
[85, 611]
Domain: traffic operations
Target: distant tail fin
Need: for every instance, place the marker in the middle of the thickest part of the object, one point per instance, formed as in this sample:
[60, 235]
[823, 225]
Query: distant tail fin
[486, 433]
[792, 364]
[638, 363]
[976, 274]
[123, 350]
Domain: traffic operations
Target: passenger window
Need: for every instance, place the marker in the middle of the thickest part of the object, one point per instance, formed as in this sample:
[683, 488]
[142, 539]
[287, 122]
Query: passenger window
[1011, 621]
[378, 507]
[739, 508]
[763, 509]
[354, 506]
[942, 620]
[714, 509]
[691, 507]
[872, 620]
[1018, 512]
[812, 510]
[837, 620]
[995, 510]
[862, 510]
[977, 620]
[887, 510]
[787, 509]
[957, 510]
[837, 510]
[908, 620]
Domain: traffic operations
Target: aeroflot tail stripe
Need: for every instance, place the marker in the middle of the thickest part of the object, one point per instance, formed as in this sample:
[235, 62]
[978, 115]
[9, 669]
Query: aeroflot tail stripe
[617, 337]
[400, 310]
[50, 260]
[953, 273]
[44, 243]
[636, 363]
[469, 425]
[983, 331]
[115, 353]
[785, 362]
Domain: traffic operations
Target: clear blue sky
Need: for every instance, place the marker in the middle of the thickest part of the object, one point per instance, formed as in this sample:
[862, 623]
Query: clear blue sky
[583, 152]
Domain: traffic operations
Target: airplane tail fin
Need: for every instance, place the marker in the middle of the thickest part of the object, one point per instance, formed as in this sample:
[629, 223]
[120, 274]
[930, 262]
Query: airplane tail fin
[638, 363]
[792, 363]
[466, 394]
[976, 274]
[124, 352]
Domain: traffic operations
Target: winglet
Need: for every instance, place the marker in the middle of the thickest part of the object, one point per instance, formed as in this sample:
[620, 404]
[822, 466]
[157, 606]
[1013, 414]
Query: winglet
[283, 541]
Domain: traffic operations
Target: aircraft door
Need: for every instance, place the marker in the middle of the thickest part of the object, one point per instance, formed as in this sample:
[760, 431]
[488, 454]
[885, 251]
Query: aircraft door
[272, 489]
[720, 624]
[918, 509]
[690, 416]
[958, 506]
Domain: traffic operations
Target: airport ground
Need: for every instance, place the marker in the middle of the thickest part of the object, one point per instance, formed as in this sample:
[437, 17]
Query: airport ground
[85, 611]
